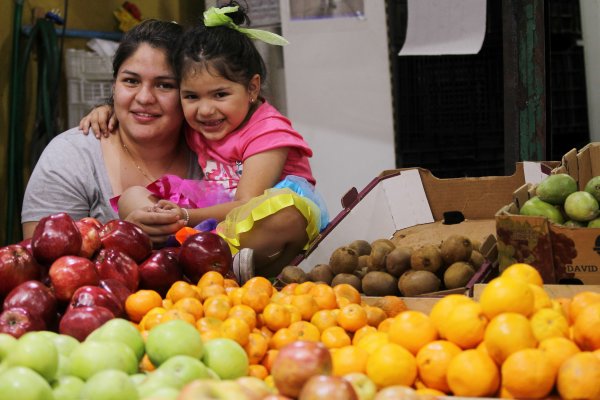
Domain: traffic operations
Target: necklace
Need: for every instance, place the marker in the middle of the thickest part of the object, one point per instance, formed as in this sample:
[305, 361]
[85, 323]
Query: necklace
[137, 166]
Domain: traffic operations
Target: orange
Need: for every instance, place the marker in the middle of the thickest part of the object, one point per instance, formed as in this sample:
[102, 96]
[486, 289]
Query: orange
[304, 287]
[146, 365]
[352, 317]
[505, 294]
[365, 330]
[507, 333]
[230, 283]
[235, 295]
[524, 272]
[268, 359]
[281, 338]
[440, 310]
[211, 278]
[472, 373]
[211, 291]
[210, 334]
[217, 306]
[191, 305]
[579, 377]
[181, 289]
[429, 393]
[557, 350]
[139, 303]
[289, 288]
[580, 301]
[586, 330]
[346, 294]
[391, 305]
[348, 359]
[324, 296]
[548, 322]
[432, 363]
[306, 304]
[174, 314]
[295, 313]
[236, 329]
[541, 299]
[391, 364]
[335, 337]
[256, 298]
[277, 316]
[258, 371]
[371, 342]
[305, 331]
[324, 319]
[256, 348]
[465, 324]
[562, 304]
[208, 323]
[412, 330]
[528, 374]
[384, 326]
[167, 304]
[375, 315]
[244, 312]
[260, 283]
[152, 318]
[278, 297]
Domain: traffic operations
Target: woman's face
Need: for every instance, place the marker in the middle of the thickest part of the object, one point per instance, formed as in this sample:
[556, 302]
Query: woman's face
[146, 96]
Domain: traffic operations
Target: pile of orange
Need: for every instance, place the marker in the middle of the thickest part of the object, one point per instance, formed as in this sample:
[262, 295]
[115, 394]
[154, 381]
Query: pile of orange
[514, 342]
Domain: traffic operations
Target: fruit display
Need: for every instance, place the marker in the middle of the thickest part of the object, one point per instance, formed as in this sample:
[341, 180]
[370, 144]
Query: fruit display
[389, 268]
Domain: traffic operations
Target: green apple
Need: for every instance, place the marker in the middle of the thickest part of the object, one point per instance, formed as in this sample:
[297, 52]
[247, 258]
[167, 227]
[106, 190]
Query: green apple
[34, 350]
[7, 342]
[155, 382]
[138, 378]
[184, 368]
[364, 386]
[67, 387]
[173, 338]
[92, 357]
[226, 357]
[110, 384]
[211, 389]
[22, 383]
[65, 344]
[121, 330]
[165, 393]
[255, 387]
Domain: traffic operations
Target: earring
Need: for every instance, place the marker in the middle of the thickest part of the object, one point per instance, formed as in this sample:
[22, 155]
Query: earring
[251, 100]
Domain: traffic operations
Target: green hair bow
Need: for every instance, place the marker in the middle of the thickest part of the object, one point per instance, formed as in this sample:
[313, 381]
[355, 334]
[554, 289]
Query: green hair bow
[217, 17]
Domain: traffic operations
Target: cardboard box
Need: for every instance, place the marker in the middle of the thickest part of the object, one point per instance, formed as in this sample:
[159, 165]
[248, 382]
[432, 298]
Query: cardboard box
[412, 204]
[561, 254]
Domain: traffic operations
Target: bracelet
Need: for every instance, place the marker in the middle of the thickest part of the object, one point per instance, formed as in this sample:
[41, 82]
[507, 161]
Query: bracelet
[186, 217]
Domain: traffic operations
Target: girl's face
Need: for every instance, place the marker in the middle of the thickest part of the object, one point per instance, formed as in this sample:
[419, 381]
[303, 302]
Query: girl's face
[146, 96]
[213, 105]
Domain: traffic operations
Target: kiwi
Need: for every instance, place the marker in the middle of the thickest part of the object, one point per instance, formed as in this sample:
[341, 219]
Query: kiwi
[458, 275]
[456, 248]
[476, 260]
[321, 273]
[380, 248]
[398, 261]
[378, 283]
[476, 244]
[414, 283]
[364, 261]
[350, 279]
[292, 274]
[426, 258]
[343, 260]
[362, 247]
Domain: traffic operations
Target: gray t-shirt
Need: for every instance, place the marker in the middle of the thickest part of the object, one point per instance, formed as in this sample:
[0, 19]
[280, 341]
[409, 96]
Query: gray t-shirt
[70, 177]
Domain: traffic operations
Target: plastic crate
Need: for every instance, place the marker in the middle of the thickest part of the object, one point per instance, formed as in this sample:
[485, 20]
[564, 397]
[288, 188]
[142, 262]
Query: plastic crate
[81, 64]
[76, 111]
[82, 91]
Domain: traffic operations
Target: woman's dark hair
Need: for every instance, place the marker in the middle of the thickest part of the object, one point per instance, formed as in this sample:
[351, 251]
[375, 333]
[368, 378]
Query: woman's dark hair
[230, 53]
[158, 34]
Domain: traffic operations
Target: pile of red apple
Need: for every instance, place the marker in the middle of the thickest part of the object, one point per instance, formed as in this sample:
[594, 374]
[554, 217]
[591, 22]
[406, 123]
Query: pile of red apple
[72, 276]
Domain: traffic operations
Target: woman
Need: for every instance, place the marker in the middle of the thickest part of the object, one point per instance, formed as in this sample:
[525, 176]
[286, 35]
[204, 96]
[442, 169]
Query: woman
[79, 174]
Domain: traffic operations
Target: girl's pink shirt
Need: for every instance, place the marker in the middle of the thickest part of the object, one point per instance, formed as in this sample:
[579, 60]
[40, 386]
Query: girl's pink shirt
[267, 129]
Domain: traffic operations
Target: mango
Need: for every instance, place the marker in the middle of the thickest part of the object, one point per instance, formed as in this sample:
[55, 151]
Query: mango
[537, 207]
[595, 223]
[554, 189]
[574, 224]
[593, 187]
[581, 206]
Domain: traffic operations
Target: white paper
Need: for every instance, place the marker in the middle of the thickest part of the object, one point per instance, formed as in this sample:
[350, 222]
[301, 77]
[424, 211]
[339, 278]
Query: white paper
[437, 27]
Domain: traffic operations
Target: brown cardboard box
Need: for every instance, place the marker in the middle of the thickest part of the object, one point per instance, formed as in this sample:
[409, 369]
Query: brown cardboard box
[561, 254]
[410, 204]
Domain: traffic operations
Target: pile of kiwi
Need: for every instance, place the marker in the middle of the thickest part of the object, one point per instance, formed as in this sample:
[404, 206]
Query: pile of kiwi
[382, 268]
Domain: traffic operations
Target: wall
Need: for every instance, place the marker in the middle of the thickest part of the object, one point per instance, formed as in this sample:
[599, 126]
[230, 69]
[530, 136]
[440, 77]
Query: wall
[590, 27]
[89, 15]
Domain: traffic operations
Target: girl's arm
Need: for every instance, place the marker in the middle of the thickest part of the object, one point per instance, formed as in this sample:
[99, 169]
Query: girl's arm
[101, 119]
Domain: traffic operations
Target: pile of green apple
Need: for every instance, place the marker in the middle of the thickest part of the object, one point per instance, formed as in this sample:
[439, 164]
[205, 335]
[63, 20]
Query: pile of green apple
[45, 365]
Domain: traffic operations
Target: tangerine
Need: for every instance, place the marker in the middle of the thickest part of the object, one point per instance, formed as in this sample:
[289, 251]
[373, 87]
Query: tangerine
[324, 319]
[507, 333]
[580, 301]
[586, 330]
[257, 347]
[441, 309]
[528, 374]
[472, 373]
[412, 330]
[348, 359]
[432, 363]
[304, 330]
[579, 377]
[557, 350]
[506, 294]
[524, 272]
[324, 296]
[236, 329]
[352, 317]
[465, 325]
[140, 303]
[547, 323]
[391, 364]
[335, 337]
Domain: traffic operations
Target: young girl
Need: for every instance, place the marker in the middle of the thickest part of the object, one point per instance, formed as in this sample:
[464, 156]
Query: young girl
[257, 178]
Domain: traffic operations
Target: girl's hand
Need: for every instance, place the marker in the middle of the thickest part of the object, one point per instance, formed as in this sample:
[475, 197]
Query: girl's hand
[169, 206]
[158, 224]
[101, 119]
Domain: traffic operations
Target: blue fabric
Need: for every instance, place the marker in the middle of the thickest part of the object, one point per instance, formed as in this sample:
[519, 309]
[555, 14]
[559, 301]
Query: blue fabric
[306, 189]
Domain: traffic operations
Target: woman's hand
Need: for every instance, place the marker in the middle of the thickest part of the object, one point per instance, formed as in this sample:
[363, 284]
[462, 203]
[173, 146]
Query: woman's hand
[158, 224]
[101, 119]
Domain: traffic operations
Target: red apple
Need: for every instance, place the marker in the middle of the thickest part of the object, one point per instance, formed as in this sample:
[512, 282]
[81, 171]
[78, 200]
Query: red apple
[114, 264]
[126, 237]
[397, 392]
[159, 271]
[79, 322]
[55, 236]
[17, 265]
[17, 321]
[117, 288]
[92, 222]
[296, 363]
[327, 387]
[87, 296]
[203, 252]
[90, 239]
[68, 273]
[43, 270]
[36, 298]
